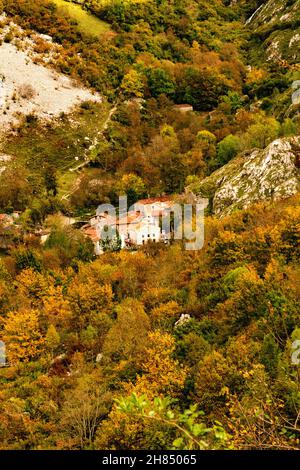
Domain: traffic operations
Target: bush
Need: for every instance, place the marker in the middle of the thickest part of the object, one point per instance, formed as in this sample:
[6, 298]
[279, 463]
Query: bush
[26, 258]
[26, 91]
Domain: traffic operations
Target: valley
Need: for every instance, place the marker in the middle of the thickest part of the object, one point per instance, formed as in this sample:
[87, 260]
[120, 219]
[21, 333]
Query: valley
[134, 341]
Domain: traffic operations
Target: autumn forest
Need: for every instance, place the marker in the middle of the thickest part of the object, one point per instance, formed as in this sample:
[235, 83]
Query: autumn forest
[150, 346]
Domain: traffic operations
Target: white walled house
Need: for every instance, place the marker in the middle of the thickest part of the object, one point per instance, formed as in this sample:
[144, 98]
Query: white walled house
[146, 230]
[137, 229]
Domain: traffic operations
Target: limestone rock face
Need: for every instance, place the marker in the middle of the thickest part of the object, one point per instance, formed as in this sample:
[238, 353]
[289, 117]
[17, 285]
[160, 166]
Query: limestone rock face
[296, 92]
[259, 175]
[279, 22]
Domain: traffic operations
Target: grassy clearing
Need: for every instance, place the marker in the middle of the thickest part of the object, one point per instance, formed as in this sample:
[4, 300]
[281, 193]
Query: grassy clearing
[66, 183]
[62, 144]
[87, 23]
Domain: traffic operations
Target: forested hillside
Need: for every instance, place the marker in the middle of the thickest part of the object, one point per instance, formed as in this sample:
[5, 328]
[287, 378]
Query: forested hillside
[154, 347]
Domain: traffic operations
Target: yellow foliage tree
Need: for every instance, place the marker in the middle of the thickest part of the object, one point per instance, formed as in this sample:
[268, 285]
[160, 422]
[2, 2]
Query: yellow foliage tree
[165, 313]
[22, 335]
[57, 309]
[162, 376]
[132, 84]
[32, 286]
[127, 338]
[52, 338]
[88, 300]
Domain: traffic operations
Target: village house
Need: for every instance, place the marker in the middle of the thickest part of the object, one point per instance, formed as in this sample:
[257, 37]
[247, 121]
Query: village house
[183, 108]
[136, 228]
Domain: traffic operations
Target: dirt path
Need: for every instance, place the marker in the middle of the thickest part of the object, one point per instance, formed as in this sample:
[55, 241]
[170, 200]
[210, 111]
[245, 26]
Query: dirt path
[87, 152]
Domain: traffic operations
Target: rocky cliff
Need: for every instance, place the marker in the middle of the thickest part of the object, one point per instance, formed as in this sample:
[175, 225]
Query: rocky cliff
[269, 174]
[277, 24]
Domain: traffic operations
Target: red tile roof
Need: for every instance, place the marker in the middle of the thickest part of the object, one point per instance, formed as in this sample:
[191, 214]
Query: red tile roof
[92, 233]
[154, 199]
[132, 217]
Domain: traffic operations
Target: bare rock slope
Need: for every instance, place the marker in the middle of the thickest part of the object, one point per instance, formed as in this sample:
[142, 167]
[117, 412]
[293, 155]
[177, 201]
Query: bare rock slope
[28, 83]
[277, 22]
[260, 175]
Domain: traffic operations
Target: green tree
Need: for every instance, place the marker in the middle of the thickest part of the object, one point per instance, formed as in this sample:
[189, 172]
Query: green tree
[160, 82]
[15, 189]
[187, 428]
[27, 258]
[107, 243]
[52, 339]
[261, 133]
[270, 355]
[133, 186]
[70, 243]
[228, 148]
[234, 100]
[50, 178]
[206, 142]
[288, 127]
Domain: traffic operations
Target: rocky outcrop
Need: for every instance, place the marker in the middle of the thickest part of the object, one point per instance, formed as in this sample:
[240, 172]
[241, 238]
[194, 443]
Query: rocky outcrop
[259, 175]
[277, 22]
[296, 92]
